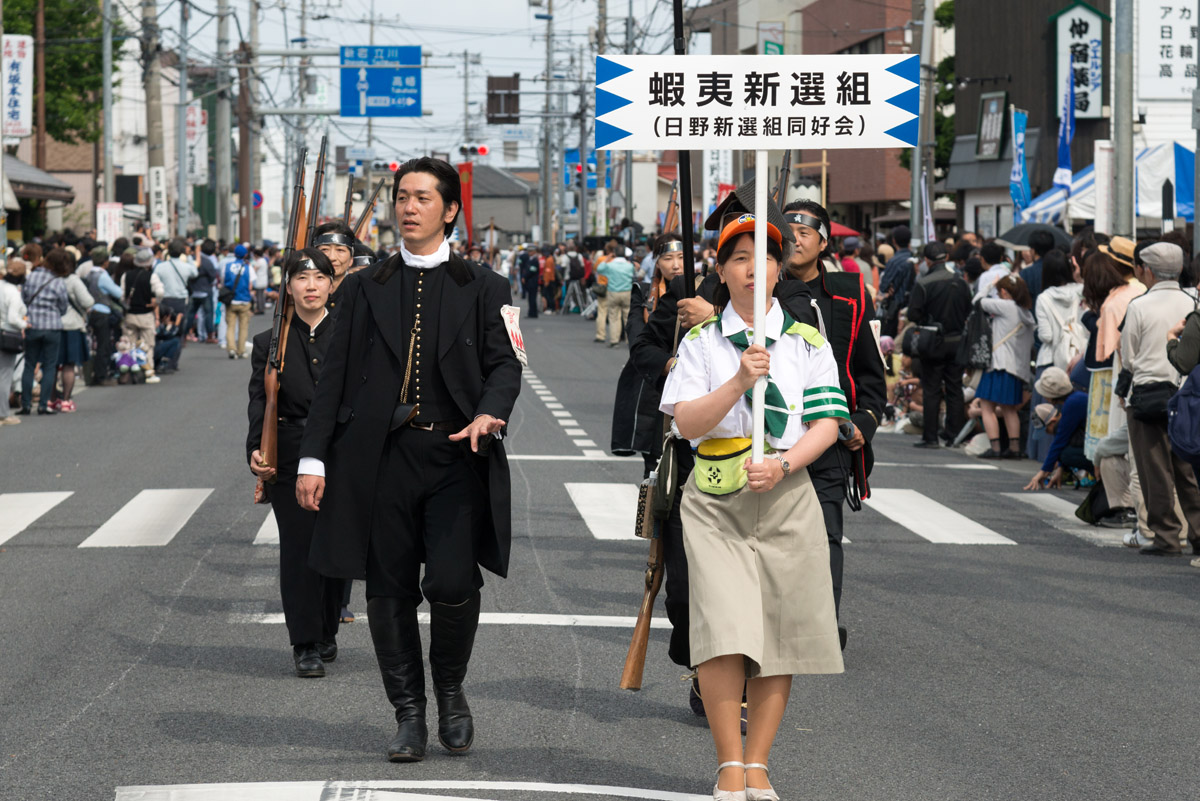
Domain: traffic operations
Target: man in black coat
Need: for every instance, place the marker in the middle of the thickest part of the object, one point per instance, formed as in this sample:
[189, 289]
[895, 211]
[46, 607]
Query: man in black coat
[411, 450]
[310, 600]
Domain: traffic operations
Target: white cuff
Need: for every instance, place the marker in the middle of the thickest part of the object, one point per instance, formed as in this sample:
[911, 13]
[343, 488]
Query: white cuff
[311, 467]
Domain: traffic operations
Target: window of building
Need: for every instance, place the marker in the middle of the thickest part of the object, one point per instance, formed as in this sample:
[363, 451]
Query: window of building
[872, 46]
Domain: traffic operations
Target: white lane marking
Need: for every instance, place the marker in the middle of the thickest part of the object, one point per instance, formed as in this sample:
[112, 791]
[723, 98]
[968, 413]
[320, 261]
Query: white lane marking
[954, 466]
[380, 790]
[607, 509]
[560, 413]
[553, 405]
[584, 443]
[564, 418]
[931, 520]
[595, 454]
[152, 518]
[575, 432]
[1061, 514]
[268, 532]
[252, 613]
[568, 421]
[22, 508]
[560, 457]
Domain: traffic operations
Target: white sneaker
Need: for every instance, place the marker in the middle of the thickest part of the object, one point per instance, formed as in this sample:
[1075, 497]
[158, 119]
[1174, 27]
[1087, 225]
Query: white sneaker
[1196, 562]
[152, 379]
[1134, 539]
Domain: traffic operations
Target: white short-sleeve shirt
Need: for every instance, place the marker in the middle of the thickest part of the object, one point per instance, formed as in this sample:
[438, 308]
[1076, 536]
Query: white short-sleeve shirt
[802, 366]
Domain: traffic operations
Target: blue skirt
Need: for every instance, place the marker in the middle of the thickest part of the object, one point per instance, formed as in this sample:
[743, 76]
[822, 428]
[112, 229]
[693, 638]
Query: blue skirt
[1001, 387]
[72, 348]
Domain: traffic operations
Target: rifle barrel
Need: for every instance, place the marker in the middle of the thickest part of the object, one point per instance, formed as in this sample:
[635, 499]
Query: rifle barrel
[368, 208]
[314, 200]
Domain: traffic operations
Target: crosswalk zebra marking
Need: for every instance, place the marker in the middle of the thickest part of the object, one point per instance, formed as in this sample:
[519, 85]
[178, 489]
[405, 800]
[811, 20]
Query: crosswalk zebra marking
[152, 518]
[931, 520]
[608, 510]
[268, 532]
[22, 508]
[252, 613]
[1060, 513]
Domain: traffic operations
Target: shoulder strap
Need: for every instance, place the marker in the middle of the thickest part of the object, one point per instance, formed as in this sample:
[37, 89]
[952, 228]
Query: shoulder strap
[1008, 336]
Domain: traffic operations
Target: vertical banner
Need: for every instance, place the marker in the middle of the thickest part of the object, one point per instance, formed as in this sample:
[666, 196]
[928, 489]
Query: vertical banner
[466, 174]
[197, 144]
[18, 85]
[930, 228]
[718, 170]
[1080, 55]
[157, 205]
[109, 222]
[1066, 133]
[1018, 180]
[1102, 157]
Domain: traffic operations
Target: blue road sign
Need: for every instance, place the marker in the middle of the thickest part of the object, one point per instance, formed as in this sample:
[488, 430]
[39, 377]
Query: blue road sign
[375, 84]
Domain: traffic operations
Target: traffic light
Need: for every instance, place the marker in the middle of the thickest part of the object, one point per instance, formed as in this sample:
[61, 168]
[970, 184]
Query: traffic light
[474, 150]
[393, 166]
[390, 166]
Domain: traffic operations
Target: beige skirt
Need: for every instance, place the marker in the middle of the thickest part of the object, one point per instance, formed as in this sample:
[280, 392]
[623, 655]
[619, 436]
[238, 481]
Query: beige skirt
[759, 581]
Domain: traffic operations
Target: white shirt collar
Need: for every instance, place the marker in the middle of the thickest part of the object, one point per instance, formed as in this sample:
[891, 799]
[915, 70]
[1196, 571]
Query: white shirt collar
[435, 259]
[732, 322]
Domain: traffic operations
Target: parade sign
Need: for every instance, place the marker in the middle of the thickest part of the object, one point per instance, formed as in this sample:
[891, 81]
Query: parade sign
[18, 85]
[158, 202]
[110, 221]
[381, 81]
[756, 102]
[196, 144]
[1081, 53]
[1166, 49]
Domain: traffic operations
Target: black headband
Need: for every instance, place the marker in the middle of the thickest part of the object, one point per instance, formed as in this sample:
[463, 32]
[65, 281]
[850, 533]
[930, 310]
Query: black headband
[334, 238]
[362, 261]
[674, 246]
[800, 218]
[307, 264]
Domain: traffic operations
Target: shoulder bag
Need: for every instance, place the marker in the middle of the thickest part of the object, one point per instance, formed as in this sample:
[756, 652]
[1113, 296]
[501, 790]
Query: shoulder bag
[227, 293]
[656, 494]
[975, 348]
[14, 341]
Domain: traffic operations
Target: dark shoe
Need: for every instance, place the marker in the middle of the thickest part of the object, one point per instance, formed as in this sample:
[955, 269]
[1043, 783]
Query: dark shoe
[327, 651]
[924, 444]
[108, 382]
[990, 454]
[1010, 454]
[1119, 518]
[46, 410]
[842, 636]
[452, 636]
[397, 641]
[308, 662]
[24, 410]
[695, 702]
[1154, 550]
[346, 616]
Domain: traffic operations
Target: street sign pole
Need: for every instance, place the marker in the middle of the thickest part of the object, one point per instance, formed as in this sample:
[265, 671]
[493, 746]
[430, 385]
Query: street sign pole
[759, 395]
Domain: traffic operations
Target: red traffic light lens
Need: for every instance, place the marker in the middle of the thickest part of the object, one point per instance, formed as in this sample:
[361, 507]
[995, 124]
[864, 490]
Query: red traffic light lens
[578, 168]
[393, 165]
[484, 150]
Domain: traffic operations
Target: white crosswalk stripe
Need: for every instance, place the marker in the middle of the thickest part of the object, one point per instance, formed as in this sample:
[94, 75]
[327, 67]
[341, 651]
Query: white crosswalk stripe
[20, 509]
[268, 532]
[607, 509]
[1060, 513]
[931, 520]
[152, 518]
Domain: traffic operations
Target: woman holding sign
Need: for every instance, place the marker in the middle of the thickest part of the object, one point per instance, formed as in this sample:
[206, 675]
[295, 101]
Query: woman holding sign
[761, 602]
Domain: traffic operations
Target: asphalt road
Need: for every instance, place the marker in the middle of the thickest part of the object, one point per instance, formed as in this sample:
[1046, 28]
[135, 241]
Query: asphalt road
[1036, 664]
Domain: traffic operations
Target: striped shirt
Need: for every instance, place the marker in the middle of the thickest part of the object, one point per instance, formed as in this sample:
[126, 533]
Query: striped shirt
[45, 294]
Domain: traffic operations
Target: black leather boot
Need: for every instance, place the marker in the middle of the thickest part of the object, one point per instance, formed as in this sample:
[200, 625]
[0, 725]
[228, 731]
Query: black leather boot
[397, 640]
[452, 636]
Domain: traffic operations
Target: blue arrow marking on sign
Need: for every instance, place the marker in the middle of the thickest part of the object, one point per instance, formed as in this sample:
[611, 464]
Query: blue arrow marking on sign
[607, 134]
[607, 101]
[607, 70]
[906, 132]
[909, 69]
[909, 101]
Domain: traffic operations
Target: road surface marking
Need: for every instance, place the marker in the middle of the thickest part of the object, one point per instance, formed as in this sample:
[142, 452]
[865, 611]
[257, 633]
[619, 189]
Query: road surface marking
[387, 789]
[952, 466]
[931, 520]
[152, 518]
[561, 457]
[22, 508]
[607, 509]
[568, 421]
[1060, 513]
[564, 418]
[576, 432]
[553, 405]
[268, 532]
[584, 443]
[252, 613]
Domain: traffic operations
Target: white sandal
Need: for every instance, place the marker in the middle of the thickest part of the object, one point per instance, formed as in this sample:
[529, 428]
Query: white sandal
[728, 795]
[756, 793]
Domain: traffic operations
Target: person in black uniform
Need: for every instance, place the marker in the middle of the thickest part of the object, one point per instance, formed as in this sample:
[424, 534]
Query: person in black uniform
[310, 600]
[402, 455]
[336, 241]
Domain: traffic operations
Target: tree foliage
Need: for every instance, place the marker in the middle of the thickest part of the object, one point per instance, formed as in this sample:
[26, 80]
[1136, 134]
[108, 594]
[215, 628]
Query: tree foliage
[74, 69]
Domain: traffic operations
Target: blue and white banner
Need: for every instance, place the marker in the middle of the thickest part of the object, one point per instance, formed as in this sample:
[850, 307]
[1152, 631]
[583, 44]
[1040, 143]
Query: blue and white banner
[1066, 133]
[1018, 179]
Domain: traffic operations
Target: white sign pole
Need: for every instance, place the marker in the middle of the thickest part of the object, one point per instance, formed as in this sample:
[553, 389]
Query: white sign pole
[759, 396]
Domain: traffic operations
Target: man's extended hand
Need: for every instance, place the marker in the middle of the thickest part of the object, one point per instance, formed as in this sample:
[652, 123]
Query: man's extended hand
[693, 311]
[480, 427]
[309, 492]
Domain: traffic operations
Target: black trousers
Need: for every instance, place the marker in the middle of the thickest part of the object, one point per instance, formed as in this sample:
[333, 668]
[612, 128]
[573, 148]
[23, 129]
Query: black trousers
[310, 600]
[531, 292]
[827, 481]
[431, 505]
[937, 375]
[102, 329]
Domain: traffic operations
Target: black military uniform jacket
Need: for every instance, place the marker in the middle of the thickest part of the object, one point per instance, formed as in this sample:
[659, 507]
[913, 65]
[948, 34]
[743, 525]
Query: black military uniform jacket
[360, 386]
[304, 358]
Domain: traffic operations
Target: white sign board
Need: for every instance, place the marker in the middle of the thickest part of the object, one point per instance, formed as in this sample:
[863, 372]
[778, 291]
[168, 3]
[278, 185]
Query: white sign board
[18, 85]
[756, 102]
[157, 195]
[1166, 49]
[718, 169]
[1081, 52]
[770, 38]
[110, 225]
[516, 133]
[196, 151]
[1103, 157]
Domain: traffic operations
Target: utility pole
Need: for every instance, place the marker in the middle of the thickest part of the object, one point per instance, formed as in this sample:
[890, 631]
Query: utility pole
[256, 229]
[602, 155]
[39, 69]
[629, 153]
[183, 206]
[304, 76]
[244, 159]
[155, 155]
[366, 192]
[917, 161]
[547, 164]
[466, 103]
[583, 182]
[1123, 118]
[223, 156]
[106, 11]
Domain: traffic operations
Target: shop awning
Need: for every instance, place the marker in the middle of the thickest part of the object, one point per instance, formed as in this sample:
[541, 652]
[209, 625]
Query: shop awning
[30, 183]
[966, 172]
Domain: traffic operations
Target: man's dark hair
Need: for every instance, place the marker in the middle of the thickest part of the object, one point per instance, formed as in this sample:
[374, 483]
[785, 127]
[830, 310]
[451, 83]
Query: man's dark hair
[177, 248]
[1042, 242]
[901, 236]
[208, 247]
[816, 210]
[1138, 248]
[962, 252]
[1056, 269]
[973, 269]
[1084, 241]
[119, 246]
[448, 184]
[992, 253]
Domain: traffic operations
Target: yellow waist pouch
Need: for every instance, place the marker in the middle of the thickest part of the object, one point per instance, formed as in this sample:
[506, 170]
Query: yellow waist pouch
[721, 465]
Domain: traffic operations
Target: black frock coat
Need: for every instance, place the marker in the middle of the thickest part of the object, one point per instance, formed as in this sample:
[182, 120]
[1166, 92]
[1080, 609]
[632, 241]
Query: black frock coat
[360, 386]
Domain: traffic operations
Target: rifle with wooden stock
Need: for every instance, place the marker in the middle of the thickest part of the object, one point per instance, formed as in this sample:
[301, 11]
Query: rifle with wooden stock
[348, 211]
[280, 324]
[671, 218]
[779, 194]
[365, 217]
[315, 198]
